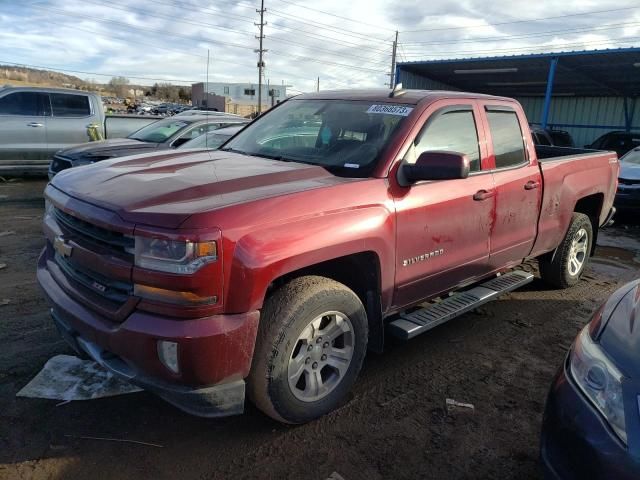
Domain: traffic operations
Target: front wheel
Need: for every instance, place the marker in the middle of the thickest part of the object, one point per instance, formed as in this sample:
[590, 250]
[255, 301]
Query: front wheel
[564, 268]
[311, 344]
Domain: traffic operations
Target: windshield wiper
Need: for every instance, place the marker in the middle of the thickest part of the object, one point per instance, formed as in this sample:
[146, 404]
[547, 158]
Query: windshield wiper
[233, 150]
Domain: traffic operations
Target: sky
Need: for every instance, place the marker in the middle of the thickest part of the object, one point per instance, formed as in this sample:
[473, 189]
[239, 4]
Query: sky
[347, 43]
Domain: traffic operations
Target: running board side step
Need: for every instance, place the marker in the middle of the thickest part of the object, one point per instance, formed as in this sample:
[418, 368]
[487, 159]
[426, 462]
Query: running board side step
[411, 324]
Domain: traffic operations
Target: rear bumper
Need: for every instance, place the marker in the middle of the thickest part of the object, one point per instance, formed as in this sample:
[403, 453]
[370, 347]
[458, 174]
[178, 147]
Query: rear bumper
[214, 353]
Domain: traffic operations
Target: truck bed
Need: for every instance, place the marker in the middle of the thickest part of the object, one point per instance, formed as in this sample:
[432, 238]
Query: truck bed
[547, 153]
[550, 153]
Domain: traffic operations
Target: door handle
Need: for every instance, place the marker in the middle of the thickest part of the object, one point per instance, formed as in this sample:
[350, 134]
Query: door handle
[531, 184]
[35, 124]
[484, 194]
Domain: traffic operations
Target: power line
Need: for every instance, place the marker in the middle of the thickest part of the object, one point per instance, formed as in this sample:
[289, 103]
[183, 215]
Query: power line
[286, 29]
[173, 34]
[341, 31]
[520, 21]
[517, 37]
[284, 74]
[336, 16]
[118, 7]
[306, 32]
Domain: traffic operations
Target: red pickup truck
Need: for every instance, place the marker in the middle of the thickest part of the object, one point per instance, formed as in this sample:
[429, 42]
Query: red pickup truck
[276, 262]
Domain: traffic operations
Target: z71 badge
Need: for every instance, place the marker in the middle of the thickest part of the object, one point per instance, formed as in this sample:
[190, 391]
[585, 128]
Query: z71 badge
[422, 258]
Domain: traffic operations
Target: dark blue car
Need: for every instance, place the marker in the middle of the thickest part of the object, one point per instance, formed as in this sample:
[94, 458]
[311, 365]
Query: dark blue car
[591, 426]
[628, 194]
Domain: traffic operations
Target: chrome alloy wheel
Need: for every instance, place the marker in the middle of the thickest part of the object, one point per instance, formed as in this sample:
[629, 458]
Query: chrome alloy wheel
[578, 252]
[321, 356]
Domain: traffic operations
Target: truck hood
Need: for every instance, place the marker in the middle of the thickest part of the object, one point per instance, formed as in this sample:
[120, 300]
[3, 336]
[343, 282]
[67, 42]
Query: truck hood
[620, 337]
[164, 189]
[105, 149]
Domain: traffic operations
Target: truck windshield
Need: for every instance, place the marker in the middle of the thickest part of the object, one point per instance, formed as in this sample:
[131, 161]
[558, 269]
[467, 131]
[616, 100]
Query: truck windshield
[160, 131]
[346, 137]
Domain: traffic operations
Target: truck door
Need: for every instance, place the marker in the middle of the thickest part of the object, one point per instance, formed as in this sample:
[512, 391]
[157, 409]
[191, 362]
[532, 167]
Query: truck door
[443, 225]
[22, 126]
[71, 114]
[518, 185]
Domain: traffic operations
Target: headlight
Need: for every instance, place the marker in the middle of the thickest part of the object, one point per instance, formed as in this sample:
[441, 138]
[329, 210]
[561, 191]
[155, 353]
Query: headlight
[173, 256]
[599, 380]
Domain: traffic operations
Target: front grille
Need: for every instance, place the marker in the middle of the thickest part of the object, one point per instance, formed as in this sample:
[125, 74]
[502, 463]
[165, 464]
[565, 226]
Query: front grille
[112, 290]
[93, 233]
[60, 163]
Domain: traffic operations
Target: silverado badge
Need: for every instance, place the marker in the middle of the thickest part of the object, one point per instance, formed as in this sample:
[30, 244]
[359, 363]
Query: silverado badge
[423, 257]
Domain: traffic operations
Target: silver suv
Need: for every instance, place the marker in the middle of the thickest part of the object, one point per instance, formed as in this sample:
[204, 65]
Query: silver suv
[37, 122]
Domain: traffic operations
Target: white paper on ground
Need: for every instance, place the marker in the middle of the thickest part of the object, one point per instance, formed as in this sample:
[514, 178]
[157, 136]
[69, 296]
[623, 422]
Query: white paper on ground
[65, 377]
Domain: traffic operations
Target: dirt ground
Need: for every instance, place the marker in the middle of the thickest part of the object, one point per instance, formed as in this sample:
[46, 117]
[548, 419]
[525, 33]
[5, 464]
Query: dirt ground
[501, 358]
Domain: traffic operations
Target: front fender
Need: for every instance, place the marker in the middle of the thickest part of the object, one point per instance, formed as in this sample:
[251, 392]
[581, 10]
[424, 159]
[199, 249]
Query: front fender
[262, 256]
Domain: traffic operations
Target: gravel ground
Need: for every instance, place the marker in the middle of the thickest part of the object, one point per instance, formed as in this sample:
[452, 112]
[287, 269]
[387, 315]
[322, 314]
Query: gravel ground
[501, 358]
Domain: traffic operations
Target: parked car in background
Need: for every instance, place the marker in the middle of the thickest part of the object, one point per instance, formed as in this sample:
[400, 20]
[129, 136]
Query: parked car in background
[561, 138]
[214, 138]
[37, 122]
[277, 261]
[162, 134]
[628, 194]
[619, 142]
[548, 137]
[591, 425]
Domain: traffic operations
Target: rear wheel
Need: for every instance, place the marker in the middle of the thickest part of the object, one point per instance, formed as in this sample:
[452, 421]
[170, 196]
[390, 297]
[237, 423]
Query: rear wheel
[311, 344]
[564, 268]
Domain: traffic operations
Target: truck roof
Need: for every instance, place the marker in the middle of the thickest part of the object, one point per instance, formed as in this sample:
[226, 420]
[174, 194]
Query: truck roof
[412, 97]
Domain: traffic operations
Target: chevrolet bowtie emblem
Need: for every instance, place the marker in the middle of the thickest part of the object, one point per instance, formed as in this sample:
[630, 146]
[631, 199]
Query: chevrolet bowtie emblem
[61, 247]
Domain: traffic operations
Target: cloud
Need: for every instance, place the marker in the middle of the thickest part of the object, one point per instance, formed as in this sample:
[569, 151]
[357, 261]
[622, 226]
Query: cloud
[168, 39]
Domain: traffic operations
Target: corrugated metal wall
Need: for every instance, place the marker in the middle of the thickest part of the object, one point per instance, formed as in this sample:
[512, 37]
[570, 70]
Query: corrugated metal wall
[418, 82]
[605, 111]
[564, 110]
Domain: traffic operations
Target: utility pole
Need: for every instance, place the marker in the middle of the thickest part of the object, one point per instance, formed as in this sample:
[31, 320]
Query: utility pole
[318, 89]
[260, 52]
[392, 75]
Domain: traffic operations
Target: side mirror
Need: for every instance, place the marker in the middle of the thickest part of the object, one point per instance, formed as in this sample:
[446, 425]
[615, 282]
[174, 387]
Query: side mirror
[437, 165]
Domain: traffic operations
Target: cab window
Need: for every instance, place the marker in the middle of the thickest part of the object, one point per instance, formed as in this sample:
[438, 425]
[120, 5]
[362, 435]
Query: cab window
[508, 142]
[28, 104]
[449, 131]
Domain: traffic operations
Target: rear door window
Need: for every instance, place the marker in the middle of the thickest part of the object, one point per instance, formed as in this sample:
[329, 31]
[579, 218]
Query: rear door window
[451, 131]
[28, 104]
[70, 105]
[508, 142]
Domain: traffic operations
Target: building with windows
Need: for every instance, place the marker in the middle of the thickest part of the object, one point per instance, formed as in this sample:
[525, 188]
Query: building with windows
[239, 98]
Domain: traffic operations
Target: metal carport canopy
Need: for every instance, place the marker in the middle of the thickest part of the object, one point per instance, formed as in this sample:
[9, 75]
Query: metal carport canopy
[611, 72]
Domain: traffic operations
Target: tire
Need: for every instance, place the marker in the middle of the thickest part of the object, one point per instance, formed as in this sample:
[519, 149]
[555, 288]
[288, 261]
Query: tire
[292, 320]
[565, 266]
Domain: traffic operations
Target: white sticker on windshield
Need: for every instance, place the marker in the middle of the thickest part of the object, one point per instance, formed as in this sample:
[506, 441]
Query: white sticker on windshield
[390, 110]
[351, 165]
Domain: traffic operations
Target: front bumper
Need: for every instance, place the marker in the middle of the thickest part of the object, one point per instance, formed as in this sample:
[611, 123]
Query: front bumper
[577, 442]
[214, 352]
[628, 199]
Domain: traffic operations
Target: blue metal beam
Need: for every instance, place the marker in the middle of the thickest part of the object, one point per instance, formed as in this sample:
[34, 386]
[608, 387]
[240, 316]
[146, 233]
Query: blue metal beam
[629, 110]
[547, 97]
